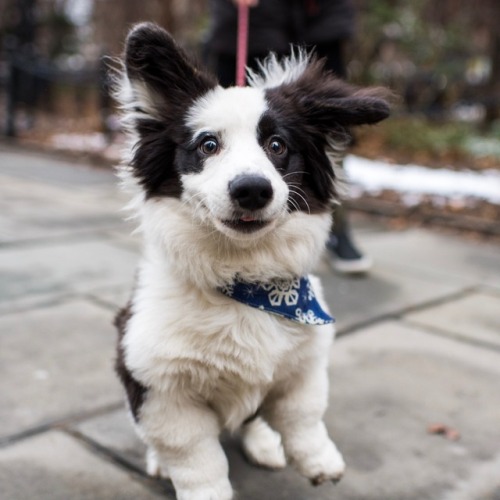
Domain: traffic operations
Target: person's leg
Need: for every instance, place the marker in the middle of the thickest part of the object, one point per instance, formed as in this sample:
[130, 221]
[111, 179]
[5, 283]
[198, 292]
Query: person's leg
[344, 255]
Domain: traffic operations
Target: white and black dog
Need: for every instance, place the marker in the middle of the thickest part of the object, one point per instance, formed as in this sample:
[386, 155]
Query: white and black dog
[233, 191]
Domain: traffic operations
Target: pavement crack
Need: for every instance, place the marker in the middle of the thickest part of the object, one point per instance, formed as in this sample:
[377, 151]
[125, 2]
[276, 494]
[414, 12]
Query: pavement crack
[442, 332]
[400, 313]
[162, 486]
[59, 423]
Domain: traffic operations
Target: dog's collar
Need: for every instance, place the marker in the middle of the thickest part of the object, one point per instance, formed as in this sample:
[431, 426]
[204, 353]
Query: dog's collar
[291, 299]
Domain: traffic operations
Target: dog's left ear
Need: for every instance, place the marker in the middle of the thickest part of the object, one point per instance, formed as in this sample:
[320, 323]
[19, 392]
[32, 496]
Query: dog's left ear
[163, 79]
[329, 104]
[341, 105]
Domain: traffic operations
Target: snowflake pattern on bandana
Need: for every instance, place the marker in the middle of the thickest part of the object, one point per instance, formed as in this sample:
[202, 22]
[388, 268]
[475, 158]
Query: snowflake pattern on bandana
[291, 299]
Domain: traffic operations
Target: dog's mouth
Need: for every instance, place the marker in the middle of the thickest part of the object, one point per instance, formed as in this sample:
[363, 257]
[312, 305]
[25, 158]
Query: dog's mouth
[246, 224]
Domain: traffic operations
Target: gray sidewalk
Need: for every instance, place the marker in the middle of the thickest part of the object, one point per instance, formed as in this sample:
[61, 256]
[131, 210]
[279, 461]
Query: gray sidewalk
[419, 344]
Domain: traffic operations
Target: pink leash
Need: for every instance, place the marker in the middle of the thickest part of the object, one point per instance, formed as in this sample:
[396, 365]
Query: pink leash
[242, 47]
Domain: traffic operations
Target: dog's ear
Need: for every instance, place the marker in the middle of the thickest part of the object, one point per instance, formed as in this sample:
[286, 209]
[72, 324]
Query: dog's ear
[155, 90]
[162, 77]
[343, 105]
[328, 103]
[337, 108]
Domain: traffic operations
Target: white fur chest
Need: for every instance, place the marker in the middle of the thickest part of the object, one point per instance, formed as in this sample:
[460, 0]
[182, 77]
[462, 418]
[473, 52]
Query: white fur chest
[224, 352]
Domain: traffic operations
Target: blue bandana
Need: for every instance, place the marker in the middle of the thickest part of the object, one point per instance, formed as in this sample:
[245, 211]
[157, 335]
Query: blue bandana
[294, 300]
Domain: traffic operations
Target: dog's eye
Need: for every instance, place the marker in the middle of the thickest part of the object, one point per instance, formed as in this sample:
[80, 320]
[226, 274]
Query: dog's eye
[277, 146]
[209, 146]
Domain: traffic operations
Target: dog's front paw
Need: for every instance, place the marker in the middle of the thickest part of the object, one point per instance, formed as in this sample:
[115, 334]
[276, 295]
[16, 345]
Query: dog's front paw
[325, 464]
[220, 490]
[262, 445]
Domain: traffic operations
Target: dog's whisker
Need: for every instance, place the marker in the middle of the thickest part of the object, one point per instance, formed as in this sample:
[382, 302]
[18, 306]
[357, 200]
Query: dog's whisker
[303, 199]
[294, 204]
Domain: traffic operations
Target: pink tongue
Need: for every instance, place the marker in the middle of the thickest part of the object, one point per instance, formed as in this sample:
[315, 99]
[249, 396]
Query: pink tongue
[247, 218]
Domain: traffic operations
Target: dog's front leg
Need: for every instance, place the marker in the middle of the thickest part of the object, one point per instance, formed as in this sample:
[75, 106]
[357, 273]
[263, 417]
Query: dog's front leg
[185, 437]
[296, 412]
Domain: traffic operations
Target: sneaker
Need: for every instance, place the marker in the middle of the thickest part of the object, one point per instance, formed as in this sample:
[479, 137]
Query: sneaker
[344, 257]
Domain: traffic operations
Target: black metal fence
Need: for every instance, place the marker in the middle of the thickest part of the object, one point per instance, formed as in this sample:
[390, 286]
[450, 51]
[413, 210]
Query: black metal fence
[32, 85]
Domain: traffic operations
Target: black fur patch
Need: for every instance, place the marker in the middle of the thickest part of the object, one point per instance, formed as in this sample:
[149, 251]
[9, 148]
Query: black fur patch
[305, 166]
[136, 392]
[153, 161]
[152, 56]
[173, 83]
[305, 113]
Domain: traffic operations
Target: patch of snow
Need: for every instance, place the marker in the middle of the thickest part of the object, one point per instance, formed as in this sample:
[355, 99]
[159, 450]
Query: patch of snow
[413, 181]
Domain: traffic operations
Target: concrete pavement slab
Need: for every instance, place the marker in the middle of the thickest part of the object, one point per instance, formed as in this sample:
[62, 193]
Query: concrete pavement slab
[31, 210]
[34, 165]
[55, 362]
[479, 486]
[357, 300]
[42, 197]
[114, 431]
[58, 269]
[436, 256]
[55, 466]
[474, 317]
[253, 483]
[388, 384]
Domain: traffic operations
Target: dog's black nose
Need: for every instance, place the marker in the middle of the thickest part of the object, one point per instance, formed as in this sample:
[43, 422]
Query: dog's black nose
[251, 192]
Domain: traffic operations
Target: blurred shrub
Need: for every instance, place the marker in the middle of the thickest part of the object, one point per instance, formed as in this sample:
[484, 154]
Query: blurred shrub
[414, 134]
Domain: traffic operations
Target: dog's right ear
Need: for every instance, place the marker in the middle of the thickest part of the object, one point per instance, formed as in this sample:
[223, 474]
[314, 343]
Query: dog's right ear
[162, 78]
